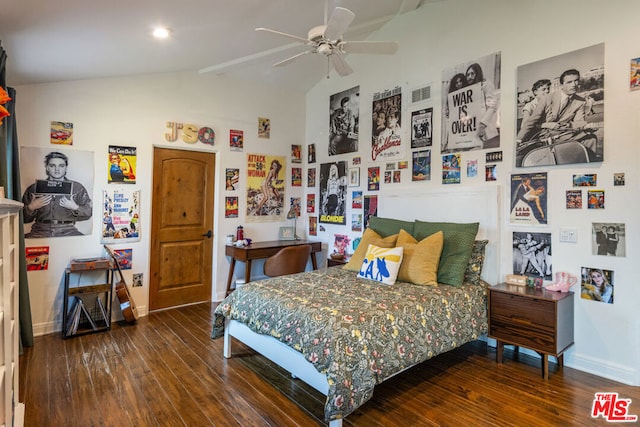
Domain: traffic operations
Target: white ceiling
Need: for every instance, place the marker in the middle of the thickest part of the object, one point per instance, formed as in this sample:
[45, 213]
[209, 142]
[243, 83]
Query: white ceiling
[61, 40]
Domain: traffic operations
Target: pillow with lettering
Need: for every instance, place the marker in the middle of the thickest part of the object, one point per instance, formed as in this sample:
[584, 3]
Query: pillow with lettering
[381, 264]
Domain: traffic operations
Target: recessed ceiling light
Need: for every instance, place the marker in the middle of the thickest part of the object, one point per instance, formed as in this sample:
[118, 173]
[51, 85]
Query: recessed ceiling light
[161, 32]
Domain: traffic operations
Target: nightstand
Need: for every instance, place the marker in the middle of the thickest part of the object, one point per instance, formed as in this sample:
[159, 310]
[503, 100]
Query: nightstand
[533, 318]
[333, 262]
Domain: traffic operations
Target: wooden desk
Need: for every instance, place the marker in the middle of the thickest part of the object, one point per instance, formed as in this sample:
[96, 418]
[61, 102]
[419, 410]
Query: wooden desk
[259, 250]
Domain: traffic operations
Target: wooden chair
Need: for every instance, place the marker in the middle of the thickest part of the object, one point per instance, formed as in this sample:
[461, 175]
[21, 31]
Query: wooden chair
[289, 260]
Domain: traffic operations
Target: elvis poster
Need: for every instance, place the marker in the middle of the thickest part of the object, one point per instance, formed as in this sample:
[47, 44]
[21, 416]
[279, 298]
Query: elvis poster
[344, 118]
[386, 133]
[120, 216]
[529, 198]
[470, 105]
[333, 193]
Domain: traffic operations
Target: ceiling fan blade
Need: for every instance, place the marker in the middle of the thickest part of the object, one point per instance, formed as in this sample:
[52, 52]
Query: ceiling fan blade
[246, 61]
[339, 21]
[291, 36]
[374, 47]
[340, 65]
[292, 58]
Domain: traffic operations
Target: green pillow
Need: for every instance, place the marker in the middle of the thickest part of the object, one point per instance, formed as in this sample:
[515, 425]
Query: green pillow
[458, 244]
[389, 226]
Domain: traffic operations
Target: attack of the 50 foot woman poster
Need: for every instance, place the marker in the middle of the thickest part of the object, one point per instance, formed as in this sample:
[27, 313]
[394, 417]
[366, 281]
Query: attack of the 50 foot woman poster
[265, 187]
[470, 105]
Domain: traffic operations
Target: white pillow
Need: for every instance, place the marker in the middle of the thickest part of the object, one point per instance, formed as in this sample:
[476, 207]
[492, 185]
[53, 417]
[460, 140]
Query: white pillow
[381, 264]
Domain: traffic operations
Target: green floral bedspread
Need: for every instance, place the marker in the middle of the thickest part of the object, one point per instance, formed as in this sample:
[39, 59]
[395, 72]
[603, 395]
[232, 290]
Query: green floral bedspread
[357, 332]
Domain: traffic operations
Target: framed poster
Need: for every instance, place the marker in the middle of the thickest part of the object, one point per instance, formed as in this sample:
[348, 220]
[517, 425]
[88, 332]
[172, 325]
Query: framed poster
[354, 177]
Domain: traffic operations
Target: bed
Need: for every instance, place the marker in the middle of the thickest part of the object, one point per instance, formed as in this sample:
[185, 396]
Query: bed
[343, 335]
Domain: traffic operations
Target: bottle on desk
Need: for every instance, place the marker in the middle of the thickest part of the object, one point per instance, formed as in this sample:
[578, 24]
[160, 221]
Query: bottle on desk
[240, 233]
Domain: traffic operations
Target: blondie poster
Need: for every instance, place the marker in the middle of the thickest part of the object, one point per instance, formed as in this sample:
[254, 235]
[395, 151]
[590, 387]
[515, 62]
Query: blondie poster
[470, 105]
[529, 198]
[265, 187]
[120, 216]
[386, 133]
[333, 193]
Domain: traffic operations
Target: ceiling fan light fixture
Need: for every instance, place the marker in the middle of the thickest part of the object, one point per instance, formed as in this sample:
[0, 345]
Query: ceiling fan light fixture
[161, 33]
[325, 49]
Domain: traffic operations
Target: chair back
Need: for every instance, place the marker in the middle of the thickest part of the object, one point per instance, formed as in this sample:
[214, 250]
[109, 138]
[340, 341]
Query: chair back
[289, 260]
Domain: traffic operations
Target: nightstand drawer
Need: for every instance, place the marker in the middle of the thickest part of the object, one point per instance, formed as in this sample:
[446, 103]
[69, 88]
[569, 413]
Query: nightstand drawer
[522, 310]
[537, 337]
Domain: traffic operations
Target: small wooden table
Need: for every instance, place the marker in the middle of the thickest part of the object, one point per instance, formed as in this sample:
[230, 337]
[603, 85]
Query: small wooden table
[259, 250]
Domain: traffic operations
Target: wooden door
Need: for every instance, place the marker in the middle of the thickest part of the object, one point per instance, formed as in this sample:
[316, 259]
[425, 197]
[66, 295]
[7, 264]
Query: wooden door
[181, 227]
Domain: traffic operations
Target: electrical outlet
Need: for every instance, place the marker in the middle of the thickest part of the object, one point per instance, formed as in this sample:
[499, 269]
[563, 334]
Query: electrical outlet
[568, 234]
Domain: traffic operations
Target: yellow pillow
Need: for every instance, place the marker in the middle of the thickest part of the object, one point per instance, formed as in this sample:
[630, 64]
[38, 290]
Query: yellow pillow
[420, 260]
[369, 237]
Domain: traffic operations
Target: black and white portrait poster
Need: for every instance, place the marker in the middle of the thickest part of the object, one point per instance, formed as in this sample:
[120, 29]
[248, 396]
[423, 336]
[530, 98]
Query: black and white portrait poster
[529, 198]
[57, 187]
[561, 109]
[344, 116]
[471, 104]
[608, 238]
[333, 192]
[532, 254]
[386, 135]
[421, 127]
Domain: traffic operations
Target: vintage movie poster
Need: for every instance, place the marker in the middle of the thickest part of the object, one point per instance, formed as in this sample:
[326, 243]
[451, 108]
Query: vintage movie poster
[120, 216]
[585, 180]
[311, 153]
[37, 258]
[386, 133]
[421, 126]
[344, 119]
[57, 188]
[296, 204]
[264, 128]
[296, 153]
[356, 222]
[356, 199]
[311, 177]
[333, 193]
[340, 244]
[596, 285]
[560, 116]
[574, 199]
[532, 255]
[122, 164]
[634, 74]
[595, 199]
[490, 173]
[451, 169]
[231, 207]
[373, 178]
[232, 179]
[265, 187]
[370, 208]
[470, 105]
[311, 203]
[387, 177]
[296, 177]
[313, 226]
[61, 133]
[124, 257]
[608, 238]
[236, 140]
[472, 168]
[528, 198]
[421, 165]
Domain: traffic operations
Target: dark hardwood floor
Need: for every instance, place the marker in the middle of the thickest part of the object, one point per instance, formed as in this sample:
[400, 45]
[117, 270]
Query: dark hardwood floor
[166, 371]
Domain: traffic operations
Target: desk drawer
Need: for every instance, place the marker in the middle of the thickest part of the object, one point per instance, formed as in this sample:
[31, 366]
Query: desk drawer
[521, 310]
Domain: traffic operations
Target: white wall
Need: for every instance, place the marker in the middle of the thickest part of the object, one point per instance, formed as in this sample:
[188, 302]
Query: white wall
[133, 111]
[443, 34]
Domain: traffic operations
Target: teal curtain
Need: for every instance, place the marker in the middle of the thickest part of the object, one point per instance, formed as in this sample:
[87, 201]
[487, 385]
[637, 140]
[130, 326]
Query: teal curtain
[10, 180]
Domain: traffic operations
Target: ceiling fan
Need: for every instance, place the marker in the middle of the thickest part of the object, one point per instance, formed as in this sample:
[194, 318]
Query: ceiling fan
[327, 40]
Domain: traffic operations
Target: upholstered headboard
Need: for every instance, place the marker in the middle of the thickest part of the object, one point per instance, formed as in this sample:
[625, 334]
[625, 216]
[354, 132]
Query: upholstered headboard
[453, 204]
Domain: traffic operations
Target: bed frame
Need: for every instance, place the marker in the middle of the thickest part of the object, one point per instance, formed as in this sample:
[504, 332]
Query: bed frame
[458, 204]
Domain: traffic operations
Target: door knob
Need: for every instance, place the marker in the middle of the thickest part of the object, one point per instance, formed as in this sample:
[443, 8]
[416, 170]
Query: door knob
[208, 234]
